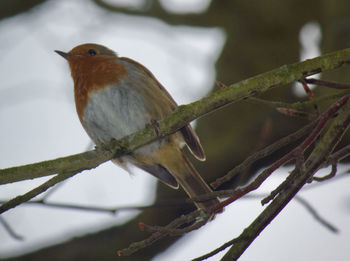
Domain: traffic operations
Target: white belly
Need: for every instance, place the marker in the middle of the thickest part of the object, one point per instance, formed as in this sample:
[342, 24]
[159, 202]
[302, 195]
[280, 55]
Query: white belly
[113, 113]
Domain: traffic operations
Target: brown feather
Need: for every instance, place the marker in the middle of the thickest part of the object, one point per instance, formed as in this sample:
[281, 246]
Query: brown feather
[188, 134]
[193, 142]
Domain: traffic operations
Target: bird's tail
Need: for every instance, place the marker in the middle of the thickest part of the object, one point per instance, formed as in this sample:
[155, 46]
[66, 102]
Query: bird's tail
[194, 185]
[172, 167]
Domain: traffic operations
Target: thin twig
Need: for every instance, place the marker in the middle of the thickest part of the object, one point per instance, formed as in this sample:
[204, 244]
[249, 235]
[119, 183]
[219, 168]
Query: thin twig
[220, 85]
[297, 152]
[9, 229]
[314, 185]
[328, 176]
[71, 206]
[240, 192]
[295, 113]
[340, 154]
[333, 85]
[263, 153]
[52, 190]
[34, 192]
[175, 231]
[315, 214]
[333, 161]
[307, 89]
[308, 207]
[171, 203]
[136, 246]
[217, 250]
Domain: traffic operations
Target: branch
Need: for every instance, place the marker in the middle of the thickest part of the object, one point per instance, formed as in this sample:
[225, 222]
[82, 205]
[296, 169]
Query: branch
[294, 154]
[184, 114]
[316, 215]
[81, 161]
[333, 85]
[34, 192]
[299, 199]
[321, 151]
[153, 8]
[333, 160]
[9, 229]
[170, 203]
[160, 233]
[173, 227]
[263, 153]
[303, 106]
[298, 152]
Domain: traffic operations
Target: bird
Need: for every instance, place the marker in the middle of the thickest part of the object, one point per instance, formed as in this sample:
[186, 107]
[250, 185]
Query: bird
[116, 96]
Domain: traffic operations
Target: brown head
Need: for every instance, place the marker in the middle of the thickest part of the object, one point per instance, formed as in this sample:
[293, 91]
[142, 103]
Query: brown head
[92, 67]
[86, 50]
[87, 59]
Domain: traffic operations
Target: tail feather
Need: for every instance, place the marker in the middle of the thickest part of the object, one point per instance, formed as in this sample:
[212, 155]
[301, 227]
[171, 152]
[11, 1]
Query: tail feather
[170, 165]
[194, 185]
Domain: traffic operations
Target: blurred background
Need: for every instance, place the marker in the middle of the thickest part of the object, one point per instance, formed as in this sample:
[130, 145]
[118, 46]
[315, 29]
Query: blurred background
[187, 44]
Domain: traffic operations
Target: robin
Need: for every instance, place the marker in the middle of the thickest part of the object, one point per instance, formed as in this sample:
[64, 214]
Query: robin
[116, 96]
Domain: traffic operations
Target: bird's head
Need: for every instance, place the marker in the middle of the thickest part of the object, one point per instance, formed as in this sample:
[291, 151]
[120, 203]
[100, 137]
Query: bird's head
[93, 63]
[88, 51]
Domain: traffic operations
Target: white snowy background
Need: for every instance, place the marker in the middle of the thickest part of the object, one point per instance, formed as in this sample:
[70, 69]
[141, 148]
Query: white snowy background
[38, 122]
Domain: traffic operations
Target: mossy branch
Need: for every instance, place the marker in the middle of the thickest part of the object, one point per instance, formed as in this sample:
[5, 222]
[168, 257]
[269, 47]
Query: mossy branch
[76, 163]
[184, 114]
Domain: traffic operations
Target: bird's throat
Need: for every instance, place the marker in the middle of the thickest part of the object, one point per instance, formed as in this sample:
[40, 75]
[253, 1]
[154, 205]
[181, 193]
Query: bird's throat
[89, 77]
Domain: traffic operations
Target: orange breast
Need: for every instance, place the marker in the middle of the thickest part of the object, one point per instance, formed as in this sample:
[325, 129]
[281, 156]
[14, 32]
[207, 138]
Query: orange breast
[90, 75]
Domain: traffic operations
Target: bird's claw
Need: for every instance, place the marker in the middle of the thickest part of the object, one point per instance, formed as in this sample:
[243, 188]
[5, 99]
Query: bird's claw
[155, 125]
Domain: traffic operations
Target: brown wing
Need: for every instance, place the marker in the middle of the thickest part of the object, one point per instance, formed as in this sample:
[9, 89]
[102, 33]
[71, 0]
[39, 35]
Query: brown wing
[193, 142]
[156, 170]
[161, 173]
[190, 137]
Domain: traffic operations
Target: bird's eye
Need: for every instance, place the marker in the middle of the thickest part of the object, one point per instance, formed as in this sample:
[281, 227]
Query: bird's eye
[92, 52]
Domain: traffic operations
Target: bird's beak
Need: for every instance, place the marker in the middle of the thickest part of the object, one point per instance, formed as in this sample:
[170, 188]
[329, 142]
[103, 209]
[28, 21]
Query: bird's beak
[63, 54]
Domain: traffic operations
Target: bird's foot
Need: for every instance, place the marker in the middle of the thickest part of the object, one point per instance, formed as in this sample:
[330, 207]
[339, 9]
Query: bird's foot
[155, 124]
